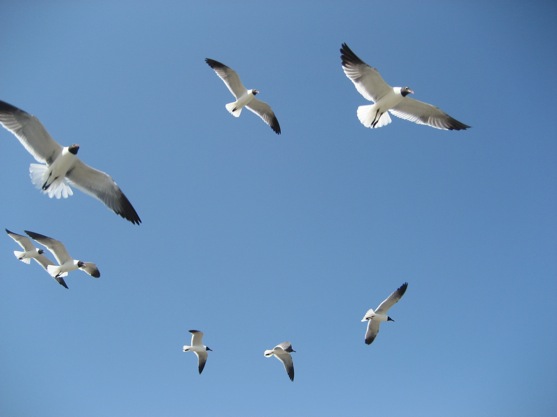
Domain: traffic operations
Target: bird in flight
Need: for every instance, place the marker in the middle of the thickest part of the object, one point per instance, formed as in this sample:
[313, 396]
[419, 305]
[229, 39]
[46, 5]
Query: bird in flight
[198, 348]
[60, 166]
[387, 99]
[375, 318]
[244, 98]
[282, 352]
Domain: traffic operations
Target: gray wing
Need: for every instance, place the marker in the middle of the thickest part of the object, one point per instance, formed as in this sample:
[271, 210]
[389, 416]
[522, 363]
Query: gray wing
[30, 132]
[372, 330]
[91, 269]
[366, 79]
[56, 247]
[228, 76]
[196, 338]
[21, 240]
[286, 360]
[201, 360]
[426, 114]
[101, 186]
[45, 262]
[391, 299]
[264, 111]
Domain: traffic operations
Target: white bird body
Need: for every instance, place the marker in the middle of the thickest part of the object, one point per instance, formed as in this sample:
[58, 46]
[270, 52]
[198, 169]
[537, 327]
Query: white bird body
[198, 348]
[50, 179]
[375, 317]
[372, 87]
[26, 256]
[65, 268]
[235, 108]
[282, 352]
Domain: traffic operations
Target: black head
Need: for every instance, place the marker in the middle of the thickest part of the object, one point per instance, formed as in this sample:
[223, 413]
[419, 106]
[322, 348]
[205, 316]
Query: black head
[405, 91]
[389, 319]
[73, 149]
[80, 264]
[255, 92]
[40, 251]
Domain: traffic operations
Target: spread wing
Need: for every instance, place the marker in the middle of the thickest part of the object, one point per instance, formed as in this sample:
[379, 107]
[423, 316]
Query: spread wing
[56, 247]
[201, 360]
[101, 186]
[30, 132]
[372, 330]
[196, 338]
[366, 79]
[21, 240]
[286, 360]
[426, 114]
[264, 111]
[229, 77]
[391, 299]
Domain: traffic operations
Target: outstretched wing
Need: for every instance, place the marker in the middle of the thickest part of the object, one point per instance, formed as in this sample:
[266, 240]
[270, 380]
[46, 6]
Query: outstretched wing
[30, 132]
[228, 76]
[426, 114]
[264, 111]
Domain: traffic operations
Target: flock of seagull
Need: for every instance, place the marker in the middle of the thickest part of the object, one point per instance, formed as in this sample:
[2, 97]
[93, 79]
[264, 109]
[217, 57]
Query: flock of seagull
[59, 168]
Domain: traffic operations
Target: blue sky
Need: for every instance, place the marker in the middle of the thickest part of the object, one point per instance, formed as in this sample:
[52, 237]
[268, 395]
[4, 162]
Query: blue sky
[256, 238]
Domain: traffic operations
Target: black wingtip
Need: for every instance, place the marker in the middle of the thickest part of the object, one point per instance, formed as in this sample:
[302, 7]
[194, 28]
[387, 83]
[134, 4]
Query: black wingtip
[348, 56]
[214, 64]
[456, 125]
[127, 211]
[34, 235]
[8, 108]
[402, 289]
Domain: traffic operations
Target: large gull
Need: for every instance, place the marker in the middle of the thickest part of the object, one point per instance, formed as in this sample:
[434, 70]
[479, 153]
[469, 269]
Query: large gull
[60, 166]
[371, 85]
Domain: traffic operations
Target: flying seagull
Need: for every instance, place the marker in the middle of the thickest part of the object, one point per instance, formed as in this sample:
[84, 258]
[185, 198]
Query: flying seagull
[282, 352]
[60, 166]
[198, 348]
[244, 98]
[374, 318]
[31, 252]
[371, 85]
[65, 261]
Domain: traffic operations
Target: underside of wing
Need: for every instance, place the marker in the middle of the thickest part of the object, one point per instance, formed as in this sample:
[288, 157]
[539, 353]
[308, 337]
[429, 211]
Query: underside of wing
[101, 186]
[392, 299]
[372, 330]
[264, 111]
[366, 79]
[30, 132]
[426, 114]
[228, 76]
[56, 247]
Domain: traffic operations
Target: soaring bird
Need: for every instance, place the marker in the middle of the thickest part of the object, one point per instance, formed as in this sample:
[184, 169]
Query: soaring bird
[371, 85]
[374, 318]
[65, 261]
[60, 166]
[244, 98]
[282, 352]
[31, 252]
[198, 348]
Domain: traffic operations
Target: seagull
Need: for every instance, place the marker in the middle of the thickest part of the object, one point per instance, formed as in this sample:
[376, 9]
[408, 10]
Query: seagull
[371, 85]
[65, 261]
[282, 352]
[60, 166]
[244, 98]
[198, 348]
[374, 318]
[31, 252]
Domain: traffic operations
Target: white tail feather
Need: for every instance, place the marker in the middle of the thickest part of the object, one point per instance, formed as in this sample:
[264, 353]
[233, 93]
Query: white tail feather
[59, 188]
[367, 115]
[54, 270]
[230, 108]
[19, 254]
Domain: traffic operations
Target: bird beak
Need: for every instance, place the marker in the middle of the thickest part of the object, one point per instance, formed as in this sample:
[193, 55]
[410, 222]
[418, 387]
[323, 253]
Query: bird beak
[208, 348]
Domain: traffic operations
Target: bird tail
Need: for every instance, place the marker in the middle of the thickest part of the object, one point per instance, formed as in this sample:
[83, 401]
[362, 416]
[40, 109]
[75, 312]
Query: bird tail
[19, 255]
[234, 111]
[58, 188]
[54, 271]
[369, 116]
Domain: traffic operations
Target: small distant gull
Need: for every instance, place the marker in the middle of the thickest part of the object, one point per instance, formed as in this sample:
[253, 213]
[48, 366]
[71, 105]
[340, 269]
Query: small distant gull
[374, 318]
[31, 252]
[371, 85]
[60, 166]
[198, 348]
[244, 98]
[282, 352]
[65, 261]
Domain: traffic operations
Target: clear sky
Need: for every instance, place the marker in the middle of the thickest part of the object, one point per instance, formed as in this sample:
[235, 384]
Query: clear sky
[256, 238]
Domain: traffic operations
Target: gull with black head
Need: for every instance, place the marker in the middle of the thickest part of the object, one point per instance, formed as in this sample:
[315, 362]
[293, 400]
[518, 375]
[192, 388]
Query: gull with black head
[198, 348]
